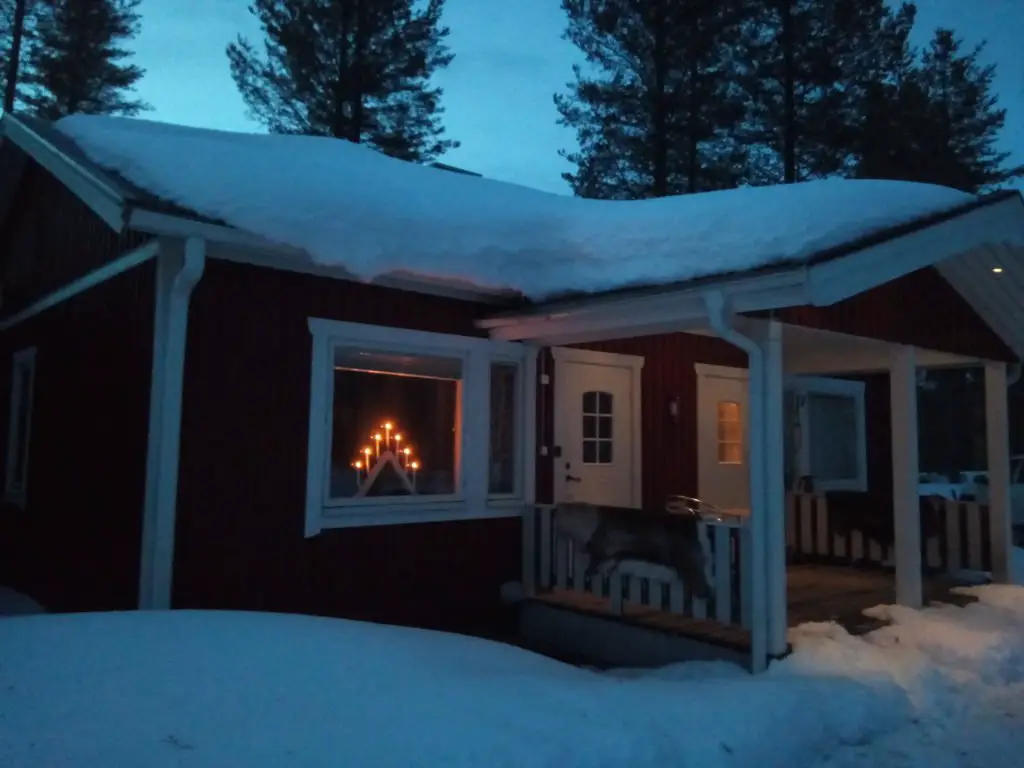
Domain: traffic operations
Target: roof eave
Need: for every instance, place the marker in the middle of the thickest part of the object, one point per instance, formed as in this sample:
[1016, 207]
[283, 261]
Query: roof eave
[101, 194]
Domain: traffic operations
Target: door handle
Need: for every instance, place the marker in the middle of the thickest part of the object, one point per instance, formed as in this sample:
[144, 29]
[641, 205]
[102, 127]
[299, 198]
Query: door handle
[573, 479]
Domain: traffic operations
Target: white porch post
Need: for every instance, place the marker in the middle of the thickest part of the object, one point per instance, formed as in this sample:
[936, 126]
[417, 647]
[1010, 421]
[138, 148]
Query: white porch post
[906, 506]
[997, 437]
[775, 491]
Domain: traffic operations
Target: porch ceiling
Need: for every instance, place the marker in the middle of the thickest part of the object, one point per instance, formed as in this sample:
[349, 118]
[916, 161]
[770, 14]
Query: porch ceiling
[813, 351]
[991, 280]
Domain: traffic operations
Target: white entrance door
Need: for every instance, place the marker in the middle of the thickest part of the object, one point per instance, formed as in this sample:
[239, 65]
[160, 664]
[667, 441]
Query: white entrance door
[597, 427]
[723, 472]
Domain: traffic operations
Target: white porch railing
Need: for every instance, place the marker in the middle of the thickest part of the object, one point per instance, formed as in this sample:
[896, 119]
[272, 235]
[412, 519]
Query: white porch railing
[551, 562]
[955, 535]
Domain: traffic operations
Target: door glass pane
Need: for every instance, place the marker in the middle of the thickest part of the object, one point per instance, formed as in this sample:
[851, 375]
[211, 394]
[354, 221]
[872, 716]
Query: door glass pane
[597, 427]
[730, 432]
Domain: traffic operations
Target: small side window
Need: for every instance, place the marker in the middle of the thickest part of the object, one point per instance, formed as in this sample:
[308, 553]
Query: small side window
[19, 425]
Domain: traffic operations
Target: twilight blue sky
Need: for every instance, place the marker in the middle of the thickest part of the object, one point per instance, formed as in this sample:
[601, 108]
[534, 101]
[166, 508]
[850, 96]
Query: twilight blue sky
[510, 59]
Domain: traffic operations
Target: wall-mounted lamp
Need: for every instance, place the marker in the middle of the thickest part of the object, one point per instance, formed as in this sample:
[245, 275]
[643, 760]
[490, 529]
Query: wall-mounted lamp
[673, 409]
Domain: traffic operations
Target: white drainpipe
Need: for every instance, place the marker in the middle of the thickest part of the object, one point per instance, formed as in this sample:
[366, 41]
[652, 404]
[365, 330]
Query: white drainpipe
[718, 316]
[178, 271]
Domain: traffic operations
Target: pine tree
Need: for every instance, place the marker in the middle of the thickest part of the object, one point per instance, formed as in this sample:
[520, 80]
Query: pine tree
[653, 109]
[933, 118]
[810, 64]
[962, 119]
[353, 69]
[8, 15]
[76, 61]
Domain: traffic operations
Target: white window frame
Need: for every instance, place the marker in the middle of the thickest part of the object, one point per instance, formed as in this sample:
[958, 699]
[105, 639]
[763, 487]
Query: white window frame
[811, 385]
[15, 489]
[472, 499]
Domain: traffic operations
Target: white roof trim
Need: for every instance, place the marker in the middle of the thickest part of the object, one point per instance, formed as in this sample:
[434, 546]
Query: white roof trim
[857, 272]
[609, 317]
[240, 246]
[105, 200]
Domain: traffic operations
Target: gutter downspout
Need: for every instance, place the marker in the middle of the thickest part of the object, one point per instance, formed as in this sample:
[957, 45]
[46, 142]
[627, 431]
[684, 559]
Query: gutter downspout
[718, 316]
[179, 269]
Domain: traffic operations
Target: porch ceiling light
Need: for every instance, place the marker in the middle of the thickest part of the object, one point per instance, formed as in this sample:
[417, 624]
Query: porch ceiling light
[997, 270]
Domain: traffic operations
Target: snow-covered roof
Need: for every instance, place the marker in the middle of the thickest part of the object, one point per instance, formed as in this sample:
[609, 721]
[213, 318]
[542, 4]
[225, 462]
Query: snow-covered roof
[351, 207]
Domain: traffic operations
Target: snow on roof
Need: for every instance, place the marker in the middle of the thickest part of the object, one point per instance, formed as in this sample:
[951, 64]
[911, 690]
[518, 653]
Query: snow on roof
[349, 206]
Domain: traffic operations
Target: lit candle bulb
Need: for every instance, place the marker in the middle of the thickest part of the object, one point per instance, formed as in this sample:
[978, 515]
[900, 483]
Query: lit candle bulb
[406, 453]
[398, 444]
[415, 465]
[387, 435]
[376, 439]
[366, 452]
[359, 470]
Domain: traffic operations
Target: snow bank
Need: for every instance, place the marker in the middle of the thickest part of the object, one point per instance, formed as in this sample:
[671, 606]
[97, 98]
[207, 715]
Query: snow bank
[192, 688]
[349, 206]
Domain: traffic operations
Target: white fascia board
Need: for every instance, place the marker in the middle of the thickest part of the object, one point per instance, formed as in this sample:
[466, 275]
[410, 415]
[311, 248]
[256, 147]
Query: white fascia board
[239, 246]
[106, 201]
[605, 318]
[855, 273]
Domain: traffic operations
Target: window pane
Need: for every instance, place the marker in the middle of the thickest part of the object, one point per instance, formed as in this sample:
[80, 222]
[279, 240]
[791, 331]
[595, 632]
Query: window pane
[833, 428]
[590, 402]
[590, 452]
[604, 402]
[604, 424]
[604, 452]
[504, 408]
[730, 453]
[395, 425]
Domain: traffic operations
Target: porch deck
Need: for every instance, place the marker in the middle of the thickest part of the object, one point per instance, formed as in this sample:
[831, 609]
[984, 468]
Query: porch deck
[816, 593]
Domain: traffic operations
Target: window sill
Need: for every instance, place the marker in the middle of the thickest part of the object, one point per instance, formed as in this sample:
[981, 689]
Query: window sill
[406, 514]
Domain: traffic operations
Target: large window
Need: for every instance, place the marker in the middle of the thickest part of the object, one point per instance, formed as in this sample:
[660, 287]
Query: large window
[826, 433]
[411, 426]
[19, 426]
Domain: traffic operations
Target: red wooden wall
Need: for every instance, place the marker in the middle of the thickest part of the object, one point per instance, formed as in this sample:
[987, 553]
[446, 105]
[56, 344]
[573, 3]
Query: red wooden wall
[242, 492]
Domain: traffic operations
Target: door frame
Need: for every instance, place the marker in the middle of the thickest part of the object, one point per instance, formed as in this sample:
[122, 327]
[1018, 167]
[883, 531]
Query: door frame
[634, 364]
[705, 372]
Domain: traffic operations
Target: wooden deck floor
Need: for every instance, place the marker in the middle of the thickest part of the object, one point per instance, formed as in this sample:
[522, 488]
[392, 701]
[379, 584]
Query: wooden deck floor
[815, 592]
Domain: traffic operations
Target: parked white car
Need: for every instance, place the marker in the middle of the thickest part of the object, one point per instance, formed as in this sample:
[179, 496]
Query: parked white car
[972, 485]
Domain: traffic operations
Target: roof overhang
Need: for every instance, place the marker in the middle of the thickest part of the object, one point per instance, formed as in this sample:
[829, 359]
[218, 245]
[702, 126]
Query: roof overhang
[969, 242]
[112, 203]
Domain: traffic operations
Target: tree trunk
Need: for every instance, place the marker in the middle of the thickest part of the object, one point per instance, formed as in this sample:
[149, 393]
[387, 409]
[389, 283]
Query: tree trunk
[17, 33]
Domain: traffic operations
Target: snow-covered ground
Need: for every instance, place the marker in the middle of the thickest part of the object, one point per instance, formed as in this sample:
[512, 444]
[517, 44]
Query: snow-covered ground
[939, 687]
[345, 205]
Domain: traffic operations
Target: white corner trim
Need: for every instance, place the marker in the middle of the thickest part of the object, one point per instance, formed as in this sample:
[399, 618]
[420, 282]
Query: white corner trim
[108, 271]
[471, 501]
[106, 202]
[707, 370]
[179, 268]
[15, 489]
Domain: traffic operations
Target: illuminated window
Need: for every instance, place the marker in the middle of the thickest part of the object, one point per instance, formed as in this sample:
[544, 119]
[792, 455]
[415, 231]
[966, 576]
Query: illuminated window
[597, 427]
[409, 426]
[730, 432]
[395, 424]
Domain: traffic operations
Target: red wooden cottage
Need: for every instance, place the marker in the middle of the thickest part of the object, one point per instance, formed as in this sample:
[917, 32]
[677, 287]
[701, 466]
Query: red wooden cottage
[205, 413]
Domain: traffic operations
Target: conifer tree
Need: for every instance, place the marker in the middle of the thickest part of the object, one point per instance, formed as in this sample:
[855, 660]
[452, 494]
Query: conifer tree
[653, 109]
[353, 69]
[77, 60]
